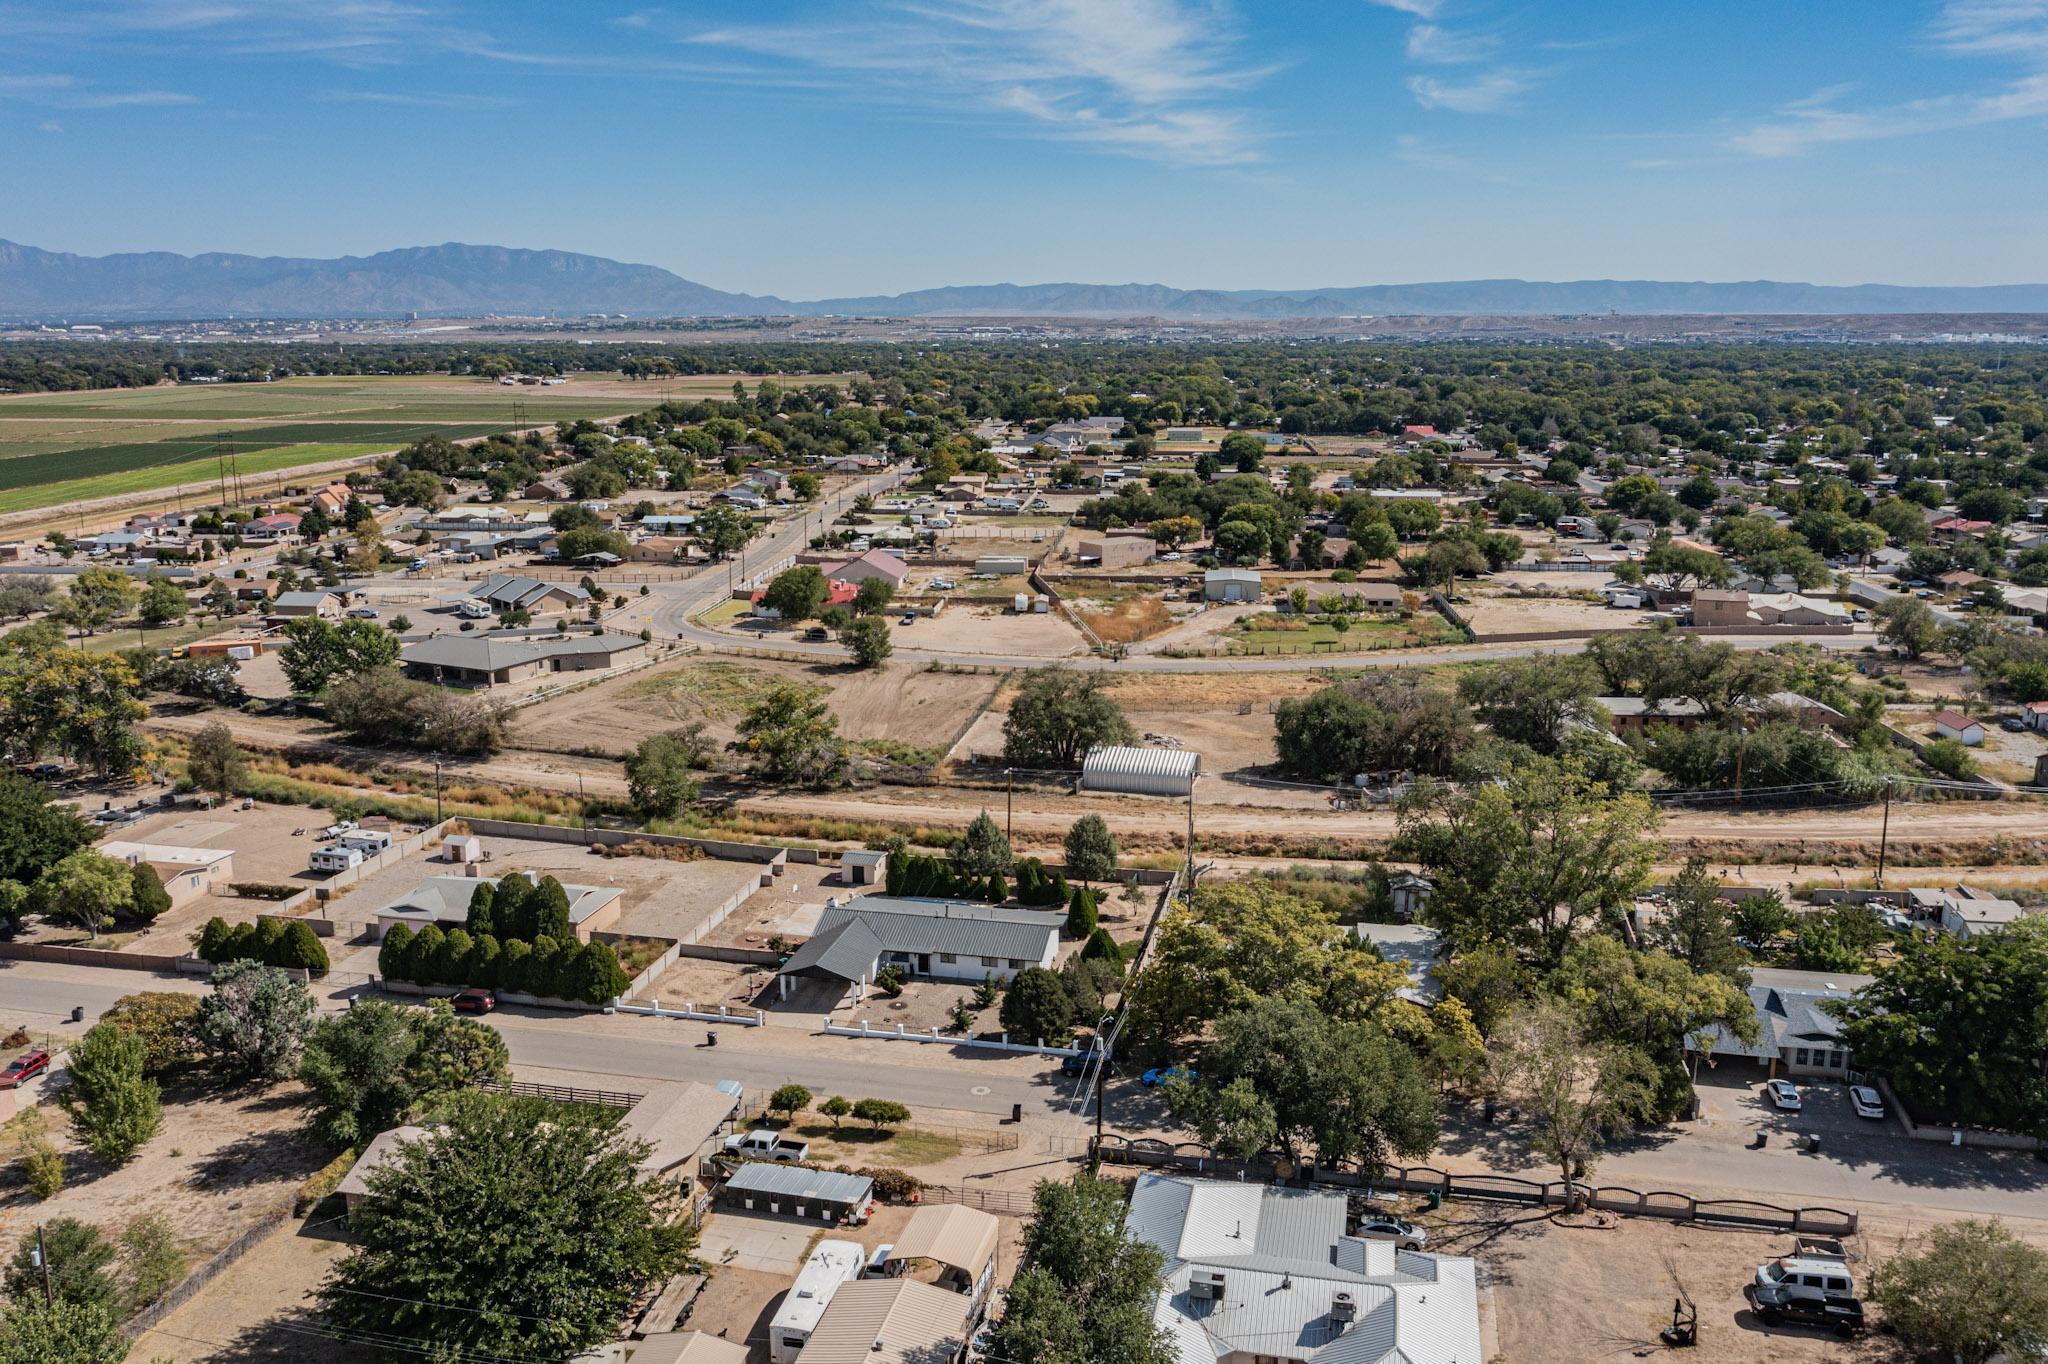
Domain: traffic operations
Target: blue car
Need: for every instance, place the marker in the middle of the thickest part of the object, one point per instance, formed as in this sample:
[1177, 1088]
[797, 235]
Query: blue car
[1158, 1075]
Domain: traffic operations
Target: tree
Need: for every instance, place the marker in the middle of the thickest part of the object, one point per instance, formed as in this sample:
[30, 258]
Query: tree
[162, 1022]
[1345, 1088]
[315, 652]
[1537, 701]
[163, 603]
[1376, 540]
[112, 1106]
[60, 1333]
[1090, 849]
[1175, 531]
[659, 780]
[1081, 913]
[1247, 452]
[21, 597]
[81, 1266]
[498, 1180]
[1386, 720]
[1058, 715]
[357, 1066]
[147, 897]
[1969, 1291]
[1036, 1006]
[791, 735]
[1697, 926]
[254, 1024]
[1959, 1026]
[836, 1108]
[1681, 568]
[789, 1099]
[34, 833]
[880, 1114]
[873, 596]
[797, 593]
[1530, 861]
[982, 851]
[723, 530]
[98, 596]
[1088, 1294]
[1908, 625]
[1575, 1089]
[867, 639]
[214, 761]
[86, 887]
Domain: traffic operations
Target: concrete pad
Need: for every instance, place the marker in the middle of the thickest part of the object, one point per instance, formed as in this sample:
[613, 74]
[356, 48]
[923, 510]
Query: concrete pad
[766, 1245]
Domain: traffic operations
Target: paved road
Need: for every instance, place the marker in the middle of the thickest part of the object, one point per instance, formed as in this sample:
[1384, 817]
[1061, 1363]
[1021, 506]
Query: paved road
[620, 1049]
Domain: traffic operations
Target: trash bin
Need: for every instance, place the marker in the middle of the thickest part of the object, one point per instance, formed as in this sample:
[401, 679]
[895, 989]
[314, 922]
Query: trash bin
[78, 1013]
[1763, 1139]
[1436, 1199]
[1813, 1141]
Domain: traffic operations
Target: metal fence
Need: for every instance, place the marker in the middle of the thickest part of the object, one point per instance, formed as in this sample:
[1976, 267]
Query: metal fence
[1010, 1201]
[146, 1318]
[567, 1094]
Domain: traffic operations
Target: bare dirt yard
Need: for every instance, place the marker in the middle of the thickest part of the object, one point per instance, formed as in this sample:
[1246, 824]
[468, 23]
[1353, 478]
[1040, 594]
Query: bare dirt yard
[259, 1309]
[900, 703]
[1492, 611]
[992, 628]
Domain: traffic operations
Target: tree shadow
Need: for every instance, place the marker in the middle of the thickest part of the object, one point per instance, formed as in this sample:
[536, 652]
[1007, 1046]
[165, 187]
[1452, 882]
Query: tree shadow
[258, 1158]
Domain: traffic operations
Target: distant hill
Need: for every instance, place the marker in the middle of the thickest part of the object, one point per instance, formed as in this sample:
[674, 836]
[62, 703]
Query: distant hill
[456, 280]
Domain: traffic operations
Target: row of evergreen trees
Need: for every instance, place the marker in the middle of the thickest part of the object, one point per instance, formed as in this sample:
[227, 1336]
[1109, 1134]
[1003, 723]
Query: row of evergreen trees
[918, 875]
[556, 968]
[274, 942]
[518, 910]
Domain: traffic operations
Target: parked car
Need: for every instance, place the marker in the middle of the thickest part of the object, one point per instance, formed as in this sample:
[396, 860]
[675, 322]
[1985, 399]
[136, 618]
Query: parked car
[1814, 1272]
[26, 1066]
[475, 1001]
[1836, 1312]
[362, 613]
[1387, 1227]
[763, 1144]
[1159, 1075]
[909, 618]
[2012, 724]
[416, 565]
[1867, 1102]
[1784, 1094]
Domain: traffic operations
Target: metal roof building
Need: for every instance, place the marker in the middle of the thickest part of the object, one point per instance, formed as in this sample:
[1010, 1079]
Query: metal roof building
[796, 1191]
[1140, 771]
[948, 938]
[889, 1321]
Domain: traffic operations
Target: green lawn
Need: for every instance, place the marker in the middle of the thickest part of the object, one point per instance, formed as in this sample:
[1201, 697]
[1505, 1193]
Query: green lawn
[170, 475]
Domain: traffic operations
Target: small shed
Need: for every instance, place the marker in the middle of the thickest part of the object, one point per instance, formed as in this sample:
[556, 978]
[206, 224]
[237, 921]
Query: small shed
[1230, 584]
[863, 867]
[1953, 724]
[462, 848]
[1140, 771]
[797, 1191]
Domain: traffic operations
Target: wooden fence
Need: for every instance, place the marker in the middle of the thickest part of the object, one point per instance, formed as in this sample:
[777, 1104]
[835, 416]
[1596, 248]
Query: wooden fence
[565, 1094]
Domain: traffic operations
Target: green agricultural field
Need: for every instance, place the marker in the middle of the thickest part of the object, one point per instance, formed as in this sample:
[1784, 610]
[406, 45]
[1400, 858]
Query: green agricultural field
[59, 448]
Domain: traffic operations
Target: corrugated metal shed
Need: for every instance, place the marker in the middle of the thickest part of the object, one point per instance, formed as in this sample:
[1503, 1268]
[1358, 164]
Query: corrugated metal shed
[1140, 771]
[800, 1183]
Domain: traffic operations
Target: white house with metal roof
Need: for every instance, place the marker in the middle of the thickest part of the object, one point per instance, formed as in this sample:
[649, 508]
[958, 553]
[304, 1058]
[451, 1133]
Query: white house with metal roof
[445, 900]
[946, 939]
[1259, 1274]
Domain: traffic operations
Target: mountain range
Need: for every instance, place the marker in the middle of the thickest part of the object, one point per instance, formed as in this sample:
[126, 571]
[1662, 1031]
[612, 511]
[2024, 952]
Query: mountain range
[457, 280]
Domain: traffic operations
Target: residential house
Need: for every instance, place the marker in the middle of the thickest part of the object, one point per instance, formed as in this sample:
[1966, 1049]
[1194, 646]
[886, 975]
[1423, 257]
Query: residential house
[1953, 724]
[664, 549]
[445, 900]
[944, 939]
[508, 592]
[1632, 714]
[331, 501]
[838, 592]
[1376, 596]
[1791, 608]
[383, 1150]
[500, 658]
[187, 873]
[874, 563]
[2035, 713]
[1967, 915]
[1795, 1034]
[1414, 948]
[1712, 607]
[1263, 1274]
[318, 603]
[890, 1321]
[1116, 551]
[276, 526]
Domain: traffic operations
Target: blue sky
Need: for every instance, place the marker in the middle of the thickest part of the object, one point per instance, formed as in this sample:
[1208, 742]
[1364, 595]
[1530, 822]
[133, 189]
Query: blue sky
[807, 149]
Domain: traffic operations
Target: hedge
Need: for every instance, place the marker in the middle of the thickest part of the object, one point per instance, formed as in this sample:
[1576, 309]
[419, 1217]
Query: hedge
[588, 973]
[275, 942]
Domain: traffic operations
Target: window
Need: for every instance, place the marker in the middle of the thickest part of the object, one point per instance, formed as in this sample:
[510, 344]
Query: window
[948, 957]
[1016, 965]
[1835, 1060]
[991, 961]
[1799, 1058]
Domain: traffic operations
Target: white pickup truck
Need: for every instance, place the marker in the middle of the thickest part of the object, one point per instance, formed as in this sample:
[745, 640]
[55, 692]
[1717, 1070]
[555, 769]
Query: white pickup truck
[762, 1144]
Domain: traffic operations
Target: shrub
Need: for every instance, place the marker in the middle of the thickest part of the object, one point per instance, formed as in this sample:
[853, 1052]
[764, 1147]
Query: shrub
[162, 1021]
[889, 981]
[891, 1185]
[113, 1106]
[1081, 913]
[881, 1114]
[1101, 947]
[322, 1182]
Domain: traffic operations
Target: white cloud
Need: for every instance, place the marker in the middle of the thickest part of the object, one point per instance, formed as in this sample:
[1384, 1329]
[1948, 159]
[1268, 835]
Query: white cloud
[1421, 9]
[59, 91]
[49, 125]
[1150, 78]
[1487, 93]
[425, 100]
[2016, 30]
[1444, 46]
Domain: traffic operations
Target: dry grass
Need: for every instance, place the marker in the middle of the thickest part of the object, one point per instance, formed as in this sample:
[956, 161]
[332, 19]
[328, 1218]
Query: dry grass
[1128, 620]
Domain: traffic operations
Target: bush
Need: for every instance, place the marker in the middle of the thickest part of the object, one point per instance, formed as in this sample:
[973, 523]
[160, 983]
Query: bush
[275, 942]
[1036, 1007]
[881, 1114]
[322, 1182]
[1951, 758]
[114, 1108]
[1101, 947]
[1081, 913]
[889, 981]
[893, 1186]
[162, 1021]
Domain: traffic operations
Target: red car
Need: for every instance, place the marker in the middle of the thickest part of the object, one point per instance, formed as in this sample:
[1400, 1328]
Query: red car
[23, 1067]
[475, 1002]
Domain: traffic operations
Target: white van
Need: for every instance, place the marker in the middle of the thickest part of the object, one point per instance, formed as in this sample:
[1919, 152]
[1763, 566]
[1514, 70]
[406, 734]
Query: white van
[1816, 1271]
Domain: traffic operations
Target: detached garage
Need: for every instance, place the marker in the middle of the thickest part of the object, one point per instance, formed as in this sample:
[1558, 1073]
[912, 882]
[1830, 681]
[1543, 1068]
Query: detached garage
[1140, 771]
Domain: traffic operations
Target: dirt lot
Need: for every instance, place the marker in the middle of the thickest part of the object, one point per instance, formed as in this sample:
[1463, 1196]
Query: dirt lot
[257, 1309]
[899, 703]
[992, 629]
[1496, 612]
[2002, 755]
[222, 1162]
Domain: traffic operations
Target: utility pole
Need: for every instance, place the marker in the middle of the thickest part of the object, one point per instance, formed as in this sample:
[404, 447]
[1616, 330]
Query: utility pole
[437, 790]
[1009, 790]
[1884, 832]
[1191, 843]
[43, 1259]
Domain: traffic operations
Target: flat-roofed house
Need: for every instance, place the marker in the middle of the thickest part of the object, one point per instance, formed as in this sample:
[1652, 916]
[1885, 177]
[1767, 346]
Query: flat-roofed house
[187, 873]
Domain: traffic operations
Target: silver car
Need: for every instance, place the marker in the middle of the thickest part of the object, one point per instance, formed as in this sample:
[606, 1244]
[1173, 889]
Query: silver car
[1387, 1227]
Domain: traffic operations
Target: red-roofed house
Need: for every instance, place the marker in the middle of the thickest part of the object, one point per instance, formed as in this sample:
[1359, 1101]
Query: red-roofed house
[1959, 528]
[839, 593]
[275, 526]
[2036, 713]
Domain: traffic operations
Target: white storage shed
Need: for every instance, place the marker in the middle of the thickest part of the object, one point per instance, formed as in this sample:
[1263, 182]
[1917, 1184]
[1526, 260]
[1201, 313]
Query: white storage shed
[1140, 771]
